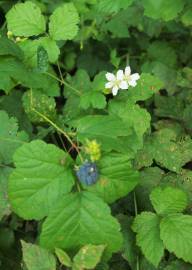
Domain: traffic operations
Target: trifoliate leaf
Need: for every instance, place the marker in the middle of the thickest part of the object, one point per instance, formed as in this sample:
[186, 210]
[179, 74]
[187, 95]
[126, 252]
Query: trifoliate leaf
[36, 258]
[63, 22]
[88, 257]
[10, 137]
[63, 257]
[146, 87]
[42, 175]
[176, 233]
[84, 94]
[4, 203]
[25, 19]
[79, 219]
[146, 225]
[117, 177]
[168, 200]
[162, 9]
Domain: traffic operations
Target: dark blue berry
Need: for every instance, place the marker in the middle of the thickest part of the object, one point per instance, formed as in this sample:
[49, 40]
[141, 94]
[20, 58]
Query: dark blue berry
[88, 173]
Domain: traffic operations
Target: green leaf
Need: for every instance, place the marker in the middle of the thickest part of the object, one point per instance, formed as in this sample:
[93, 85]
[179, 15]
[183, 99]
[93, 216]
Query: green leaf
[117, 177]
[146, 87]
[178, 265]
[167, 150]
[159, 50]
[84, 94]
[63, 22]
[182, 180]
[10, 137]
[14, 72]
[88, 257]
[176, 233]
[8, 47]
[149, 179]
[29, 47]
[34, 102]
[171, 107]
[104, 128]
[36, 258]
[168, 200]
[63, 257]
[146, 225]
[134, 117]
[129, 251]
[187, 17]
[4, 203]
[162, 9]
[109, 6]
[42, 59]
[79, 219]
[12, 103]
[25, 19]
[42, 175]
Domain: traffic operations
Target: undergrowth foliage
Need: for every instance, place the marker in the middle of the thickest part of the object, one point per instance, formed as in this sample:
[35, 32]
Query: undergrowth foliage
[95, 135]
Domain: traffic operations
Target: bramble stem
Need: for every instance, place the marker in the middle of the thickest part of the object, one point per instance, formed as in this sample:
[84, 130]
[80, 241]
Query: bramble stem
[54, 125]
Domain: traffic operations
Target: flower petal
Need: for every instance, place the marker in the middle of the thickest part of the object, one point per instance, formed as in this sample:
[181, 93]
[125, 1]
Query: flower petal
[135, 76]
[110, 76]
[115, 90]
[120, 75]
[123, 85]
[109, 85]
[127, 71]
[132, 82]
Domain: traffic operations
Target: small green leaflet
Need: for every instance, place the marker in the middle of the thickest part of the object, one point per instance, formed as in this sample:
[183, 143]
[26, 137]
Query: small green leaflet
[146, 225]
[36, 258]
[162, 9]
[176, 233]
[10, 137]
[168, 200]
[88, 257]
[25, 19]
[63, 22]
[63, 257]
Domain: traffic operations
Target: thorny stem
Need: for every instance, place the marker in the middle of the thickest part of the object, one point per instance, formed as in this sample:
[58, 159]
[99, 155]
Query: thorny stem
[136, 213]
[54, 125]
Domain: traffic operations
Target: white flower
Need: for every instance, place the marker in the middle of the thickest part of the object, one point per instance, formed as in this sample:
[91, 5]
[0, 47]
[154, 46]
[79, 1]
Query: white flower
[116, 82]
[131, 79]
